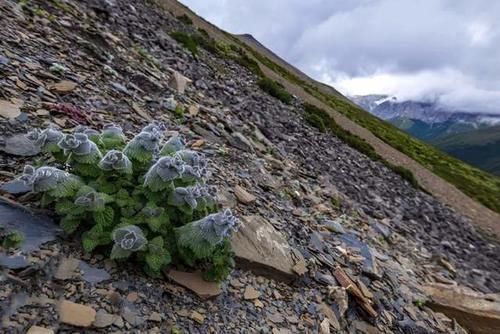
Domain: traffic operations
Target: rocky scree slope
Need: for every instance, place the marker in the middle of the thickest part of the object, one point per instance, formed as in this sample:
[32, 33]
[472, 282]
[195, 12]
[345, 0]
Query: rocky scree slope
[347, 215]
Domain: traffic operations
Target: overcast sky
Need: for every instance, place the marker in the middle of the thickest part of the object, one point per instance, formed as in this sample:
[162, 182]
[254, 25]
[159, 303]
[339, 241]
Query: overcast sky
[414, 49]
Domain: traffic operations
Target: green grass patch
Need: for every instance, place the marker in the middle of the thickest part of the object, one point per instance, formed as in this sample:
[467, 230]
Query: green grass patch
[185, 19]
[187, 41]
[275, 89]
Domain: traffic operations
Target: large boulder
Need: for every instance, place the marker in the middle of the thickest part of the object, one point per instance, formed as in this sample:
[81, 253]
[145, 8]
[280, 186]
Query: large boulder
[477, 312]
[259, 247]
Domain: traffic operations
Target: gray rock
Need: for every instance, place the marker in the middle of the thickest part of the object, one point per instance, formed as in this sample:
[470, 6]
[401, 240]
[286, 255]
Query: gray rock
[37, 230]
[13, 261]
[93, 275]
[19, 145]
[103, 319]
[334, 226]
[258, 246]
[15, 187]
[238, 140]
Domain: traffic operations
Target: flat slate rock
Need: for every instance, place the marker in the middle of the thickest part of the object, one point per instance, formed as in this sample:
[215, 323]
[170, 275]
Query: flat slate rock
[478, 312]
[19, 145]
[259, 247]
[37, 230]
[195, 283]
[15, 187]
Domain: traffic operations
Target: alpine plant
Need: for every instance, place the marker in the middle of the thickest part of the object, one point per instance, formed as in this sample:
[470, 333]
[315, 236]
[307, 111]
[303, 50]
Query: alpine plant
[143, 200]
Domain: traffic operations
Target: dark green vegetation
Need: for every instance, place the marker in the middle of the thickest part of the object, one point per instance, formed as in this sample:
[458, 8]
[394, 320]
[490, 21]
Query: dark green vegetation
[132, 199]
[185, 19]
[11, 239]
[324, 122]
[186, 40]
[275, 89]
[480, 147]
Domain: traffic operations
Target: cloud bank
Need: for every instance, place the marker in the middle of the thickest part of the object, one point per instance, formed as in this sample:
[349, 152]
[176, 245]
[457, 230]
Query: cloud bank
[428, 49]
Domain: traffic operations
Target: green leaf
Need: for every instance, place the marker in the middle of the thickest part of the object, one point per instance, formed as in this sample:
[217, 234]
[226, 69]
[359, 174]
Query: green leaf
[64, 207]
[66, 189]
[118, 253]
[156, 244]
[46, 200]
[156, 261]
[89, 244]
[70, 224]
[156, 223]
[104, 217]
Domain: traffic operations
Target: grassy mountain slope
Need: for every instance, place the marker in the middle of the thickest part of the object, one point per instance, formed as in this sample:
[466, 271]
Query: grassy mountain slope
[479, 147]
[392, 144]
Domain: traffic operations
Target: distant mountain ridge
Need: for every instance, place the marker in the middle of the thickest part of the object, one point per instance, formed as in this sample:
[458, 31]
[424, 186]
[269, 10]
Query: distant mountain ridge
[470, 137]
[389, 107]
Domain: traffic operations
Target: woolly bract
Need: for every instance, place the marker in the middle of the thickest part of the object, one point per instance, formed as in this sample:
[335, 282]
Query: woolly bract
[46, 139]
[127, 239]
[207, 232]
[117, 161]
[46, 179]
[173, 145]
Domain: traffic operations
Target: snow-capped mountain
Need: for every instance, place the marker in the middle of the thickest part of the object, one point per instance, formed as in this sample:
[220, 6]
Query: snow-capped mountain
[390, 108]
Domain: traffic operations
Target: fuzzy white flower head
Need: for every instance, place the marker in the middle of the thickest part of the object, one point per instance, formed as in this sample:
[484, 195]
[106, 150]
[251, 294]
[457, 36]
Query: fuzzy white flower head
[78, 144]
[45, 137]
[173, 144]
[188, 195]
[145, 140]
[215, 227]
[86, 131]
[167, 169]
[115, 160]
[90, 200]
[43, 178]
[196, 163]
[155, 126]
[129, 238]
[112, 130]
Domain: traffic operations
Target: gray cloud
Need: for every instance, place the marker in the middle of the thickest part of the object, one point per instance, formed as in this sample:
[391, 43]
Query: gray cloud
[449, 48]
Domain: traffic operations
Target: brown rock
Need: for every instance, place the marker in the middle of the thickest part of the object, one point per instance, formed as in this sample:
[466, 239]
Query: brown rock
[179, 82]
[300, 267]
[39, 330]
[67, 268]
[243, 196]
[42, 112]
[132, 297]
[477, 312]
[64, 86]
[258, 303]
[76, 314]
[261, 248]
[346, 282]
[193, 110]
[198, 317]
[141, 112]
[155, 317]
[250, 293]
[10, 110]
[330, 315]
[324, 326]
[103, 319]
[195, 283]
